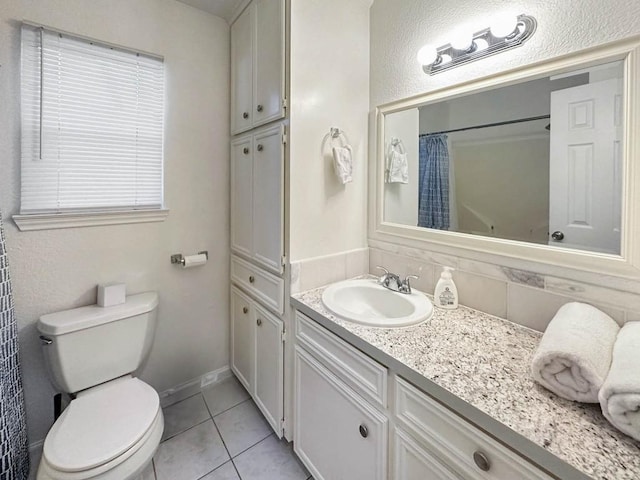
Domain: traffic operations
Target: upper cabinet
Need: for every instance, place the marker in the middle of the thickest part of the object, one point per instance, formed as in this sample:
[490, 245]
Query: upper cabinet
[257, 65]
[257, 197]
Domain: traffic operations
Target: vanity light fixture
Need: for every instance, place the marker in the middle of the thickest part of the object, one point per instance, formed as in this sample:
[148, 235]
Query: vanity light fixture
[506, 31]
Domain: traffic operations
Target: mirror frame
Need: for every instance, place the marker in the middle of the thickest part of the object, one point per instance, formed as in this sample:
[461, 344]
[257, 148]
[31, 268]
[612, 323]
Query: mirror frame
[502, 251]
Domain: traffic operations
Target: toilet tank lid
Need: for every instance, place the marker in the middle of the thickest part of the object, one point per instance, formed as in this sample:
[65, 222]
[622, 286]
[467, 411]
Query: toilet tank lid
[67, 321]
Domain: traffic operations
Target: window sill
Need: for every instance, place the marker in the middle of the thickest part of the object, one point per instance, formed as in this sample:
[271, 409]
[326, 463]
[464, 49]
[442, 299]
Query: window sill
[49, 221]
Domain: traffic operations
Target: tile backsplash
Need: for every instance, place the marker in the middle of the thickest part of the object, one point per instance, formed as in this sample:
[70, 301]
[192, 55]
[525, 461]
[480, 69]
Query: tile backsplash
[527, 298]
[524, 297]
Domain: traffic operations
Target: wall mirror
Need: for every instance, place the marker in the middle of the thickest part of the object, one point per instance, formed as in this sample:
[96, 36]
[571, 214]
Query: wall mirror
[534, 163]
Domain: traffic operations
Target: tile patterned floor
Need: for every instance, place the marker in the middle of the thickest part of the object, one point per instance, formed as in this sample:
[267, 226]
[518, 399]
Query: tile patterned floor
[220, 434]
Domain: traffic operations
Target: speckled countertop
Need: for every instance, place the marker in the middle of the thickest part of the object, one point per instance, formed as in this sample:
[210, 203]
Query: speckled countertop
[484, 361]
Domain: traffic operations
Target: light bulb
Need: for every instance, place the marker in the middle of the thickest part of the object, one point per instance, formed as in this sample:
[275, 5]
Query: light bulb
[462, 40]
[503, 25]
[427, 55]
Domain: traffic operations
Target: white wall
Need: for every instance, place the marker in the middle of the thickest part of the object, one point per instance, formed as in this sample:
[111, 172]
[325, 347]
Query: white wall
[58, 269]
[329, 88]
[400, 27]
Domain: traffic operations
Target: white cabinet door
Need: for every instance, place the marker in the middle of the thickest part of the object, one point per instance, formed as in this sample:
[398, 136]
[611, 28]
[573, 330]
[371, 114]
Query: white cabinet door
[413, 462]
[268, 83]
[268, 198]
[257, 197]
[269, 390]
[257, 65]
[338, 435]
[242, 196]
[242, 338]
[242, 71]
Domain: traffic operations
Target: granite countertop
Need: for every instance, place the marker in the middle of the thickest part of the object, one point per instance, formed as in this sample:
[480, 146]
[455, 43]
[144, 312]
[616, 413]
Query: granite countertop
[484, 361]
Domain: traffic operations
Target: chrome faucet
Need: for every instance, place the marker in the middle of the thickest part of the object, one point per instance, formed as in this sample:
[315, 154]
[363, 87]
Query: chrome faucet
[392, 281]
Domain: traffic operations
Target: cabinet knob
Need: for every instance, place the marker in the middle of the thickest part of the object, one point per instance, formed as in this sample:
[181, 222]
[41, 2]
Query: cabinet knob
[482, 462]
[364, 431]
[245, 310]
[245, 115]
[252, 279]
[558, 236]
[259, 108]
[245, 150]
[259, 321]
[259, 147]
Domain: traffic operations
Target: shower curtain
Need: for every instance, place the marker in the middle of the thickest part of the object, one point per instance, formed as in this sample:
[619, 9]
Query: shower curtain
[433, 187]
[14, 453]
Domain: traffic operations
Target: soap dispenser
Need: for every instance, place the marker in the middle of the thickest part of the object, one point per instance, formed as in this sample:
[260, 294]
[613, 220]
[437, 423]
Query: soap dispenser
[446, 293]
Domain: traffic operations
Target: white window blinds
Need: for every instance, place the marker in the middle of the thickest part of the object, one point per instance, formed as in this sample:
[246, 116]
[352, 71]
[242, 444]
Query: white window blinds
[92, 125]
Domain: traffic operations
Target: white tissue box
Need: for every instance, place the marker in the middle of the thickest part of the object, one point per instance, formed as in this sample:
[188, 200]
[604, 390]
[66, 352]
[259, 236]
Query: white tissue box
[111, 294]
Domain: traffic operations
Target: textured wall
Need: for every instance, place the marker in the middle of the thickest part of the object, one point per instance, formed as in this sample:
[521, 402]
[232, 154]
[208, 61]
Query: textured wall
[329, 88]
[58, 269]
[400, 27]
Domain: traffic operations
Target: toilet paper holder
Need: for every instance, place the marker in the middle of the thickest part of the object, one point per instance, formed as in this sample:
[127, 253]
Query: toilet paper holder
[179, 257]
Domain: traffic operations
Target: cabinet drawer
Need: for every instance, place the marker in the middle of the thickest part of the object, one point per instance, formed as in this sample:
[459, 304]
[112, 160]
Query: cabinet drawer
[457, 441]
[360, 372]
[264, 286]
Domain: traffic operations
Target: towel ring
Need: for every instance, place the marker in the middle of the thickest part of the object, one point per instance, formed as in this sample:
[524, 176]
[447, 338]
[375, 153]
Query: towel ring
[336, 134]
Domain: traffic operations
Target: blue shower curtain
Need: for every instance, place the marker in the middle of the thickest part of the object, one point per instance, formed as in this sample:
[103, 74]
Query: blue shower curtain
[433, 187]
[14, 453]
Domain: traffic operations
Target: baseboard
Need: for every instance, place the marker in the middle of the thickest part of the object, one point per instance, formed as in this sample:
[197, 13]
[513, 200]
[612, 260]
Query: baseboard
[194, 386]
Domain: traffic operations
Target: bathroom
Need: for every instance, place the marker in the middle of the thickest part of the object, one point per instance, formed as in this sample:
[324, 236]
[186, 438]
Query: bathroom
[344, 60]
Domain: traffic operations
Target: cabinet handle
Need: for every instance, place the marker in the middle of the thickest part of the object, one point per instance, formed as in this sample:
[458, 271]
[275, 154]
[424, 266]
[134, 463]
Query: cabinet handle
[364, 431]
[481, 460]
[245, 150]
[252, 279]
[245, 310]
[259, 108]
[245, 115]
[259, 147]
[259, 321]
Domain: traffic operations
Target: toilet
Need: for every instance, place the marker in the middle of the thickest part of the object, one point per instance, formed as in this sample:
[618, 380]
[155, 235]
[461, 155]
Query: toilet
[113, 426]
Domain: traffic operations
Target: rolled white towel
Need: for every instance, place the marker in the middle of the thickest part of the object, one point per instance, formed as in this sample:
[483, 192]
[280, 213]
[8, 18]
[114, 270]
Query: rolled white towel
[620, 394]
[574, 355]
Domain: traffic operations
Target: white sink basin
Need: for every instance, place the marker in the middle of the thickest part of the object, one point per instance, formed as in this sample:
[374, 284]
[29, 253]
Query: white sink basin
[368, 303]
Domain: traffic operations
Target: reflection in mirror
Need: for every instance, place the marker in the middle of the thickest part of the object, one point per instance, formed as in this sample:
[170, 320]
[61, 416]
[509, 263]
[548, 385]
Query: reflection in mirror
[539, 162]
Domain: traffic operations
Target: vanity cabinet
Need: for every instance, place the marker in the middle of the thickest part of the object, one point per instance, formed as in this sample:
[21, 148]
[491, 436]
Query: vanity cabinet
[257, 197]
[338, 433]
[257, 355]
[339, 389]
[257, 65]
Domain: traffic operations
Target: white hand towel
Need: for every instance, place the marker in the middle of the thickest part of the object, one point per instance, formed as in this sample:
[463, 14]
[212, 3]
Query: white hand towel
[343, 163]
[620, 394]
[398, 168]
[574, 355]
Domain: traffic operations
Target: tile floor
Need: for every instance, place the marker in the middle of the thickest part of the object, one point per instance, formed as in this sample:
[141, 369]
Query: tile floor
[220, 434]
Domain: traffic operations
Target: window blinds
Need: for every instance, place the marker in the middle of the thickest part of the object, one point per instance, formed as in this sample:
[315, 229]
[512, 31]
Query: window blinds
[92, 125]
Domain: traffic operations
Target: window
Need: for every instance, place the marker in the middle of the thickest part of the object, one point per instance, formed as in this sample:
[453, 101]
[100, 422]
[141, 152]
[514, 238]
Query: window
[92, 128]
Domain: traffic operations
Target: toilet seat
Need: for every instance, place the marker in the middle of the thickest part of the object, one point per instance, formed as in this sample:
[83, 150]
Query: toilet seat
[114, 426]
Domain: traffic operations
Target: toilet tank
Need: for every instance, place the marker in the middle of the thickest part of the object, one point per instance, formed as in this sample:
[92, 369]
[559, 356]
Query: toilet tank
[86, 346]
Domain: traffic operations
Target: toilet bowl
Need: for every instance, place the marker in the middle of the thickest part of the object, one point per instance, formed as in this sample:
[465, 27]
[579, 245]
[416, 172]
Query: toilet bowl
[113, 426]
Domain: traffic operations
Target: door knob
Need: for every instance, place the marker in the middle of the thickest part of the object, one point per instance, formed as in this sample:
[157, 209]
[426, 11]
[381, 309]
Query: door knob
[557, 236]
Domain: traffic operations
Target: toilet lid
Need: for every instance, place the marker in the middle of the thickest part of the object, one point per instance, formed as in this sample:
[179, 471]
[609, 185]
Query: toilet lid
[101, 424]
